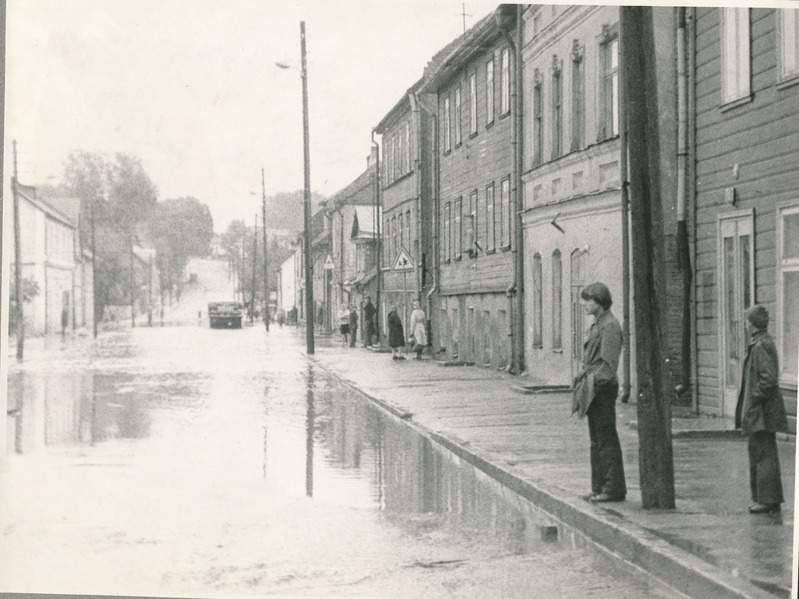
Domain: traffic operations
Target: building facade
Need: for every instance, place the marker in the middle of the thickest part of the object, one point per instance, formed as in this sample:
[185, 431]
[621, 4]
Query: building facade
[746, 98]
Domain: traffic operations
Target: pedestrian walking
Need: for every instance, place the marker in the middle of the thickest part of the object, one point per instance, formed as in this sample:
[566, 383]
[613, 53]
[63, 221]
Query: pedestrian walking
[599, 386]
[64, 321]
[418, 329]
[353, 322]
[369, 313]
[760, 413]
[344, 324]
[396, 335]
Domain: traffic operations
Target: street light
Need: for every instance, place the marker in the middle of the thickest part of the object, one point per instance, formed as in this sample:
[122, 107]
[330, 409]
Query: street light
[309, 311]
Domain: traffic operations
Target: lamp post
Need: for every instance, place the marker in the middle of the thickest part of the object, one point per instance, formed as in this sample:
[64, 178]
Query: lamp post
[309, 308]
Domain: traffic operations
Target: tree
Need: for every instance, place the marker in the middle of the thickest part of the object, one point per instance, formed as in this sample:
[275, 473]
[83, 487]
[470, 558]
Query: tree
[30, 289]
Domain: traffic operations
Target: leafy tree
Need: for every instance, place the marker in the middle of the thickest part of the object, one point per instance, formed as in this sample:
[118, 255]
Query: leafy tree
[30, 289]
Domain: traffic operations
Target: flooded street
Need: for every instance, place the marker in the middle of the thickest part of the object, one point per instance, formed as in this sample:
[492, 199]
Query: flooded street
[188, 461]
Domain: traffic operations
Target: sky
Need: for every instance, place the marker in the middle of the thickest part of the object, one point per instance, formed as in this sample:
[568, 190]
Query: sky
[191, 88]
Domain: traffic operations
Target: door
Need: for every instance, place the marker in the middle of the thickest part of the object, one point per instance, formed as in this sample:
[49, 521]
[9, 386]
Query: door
[577, 323]
[736, 268]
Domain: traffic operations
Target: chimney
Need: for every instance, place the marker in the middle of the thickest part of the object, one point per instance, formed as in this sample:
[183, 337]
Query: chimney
[372, 158]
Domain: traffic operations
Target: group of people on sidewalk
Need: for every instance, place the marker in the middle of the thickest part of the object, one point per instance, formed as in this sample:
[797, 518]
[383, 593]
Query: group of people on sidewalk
[760, 411]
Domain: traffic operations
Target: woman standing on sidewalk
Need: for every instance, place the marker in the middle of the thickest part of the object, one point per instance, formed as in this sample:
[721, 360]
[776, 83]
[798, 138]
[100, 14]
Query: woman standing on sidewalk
[418, 329]
[601, 359]
[760, 413]
[344, 323]
[396, 335]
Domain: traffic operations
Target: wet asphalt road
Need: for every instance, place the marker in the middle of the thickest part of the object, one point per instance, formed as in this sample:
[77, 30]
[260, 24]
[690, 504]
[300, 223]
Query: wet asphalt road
[196, 462]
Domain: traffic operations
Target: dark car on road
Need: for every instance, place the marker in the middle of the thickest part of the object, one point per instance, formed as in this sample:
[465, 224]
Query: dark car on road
[225, 315]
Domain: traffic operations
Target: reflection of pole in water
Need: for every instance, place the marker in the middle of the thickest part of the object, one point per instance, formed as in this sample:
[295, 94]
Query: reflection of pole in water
[265, 445]
[309, 431]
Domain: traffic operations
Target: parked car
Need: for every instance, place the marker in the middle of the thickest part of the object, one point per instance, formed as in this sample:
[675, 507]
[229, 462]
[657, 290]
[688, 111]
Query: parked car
[225, 314]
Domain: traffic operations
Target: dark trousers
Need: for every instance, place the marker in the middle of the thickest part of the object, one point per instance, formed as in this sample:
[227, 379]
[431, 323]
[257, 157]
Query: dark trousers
[764, 468]
[368, 333]
[607, 468]
[353, 332]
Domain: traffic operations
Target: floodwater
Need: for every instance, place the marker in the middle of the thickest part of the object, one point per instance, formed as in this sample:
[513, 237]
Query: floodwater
[195, 462]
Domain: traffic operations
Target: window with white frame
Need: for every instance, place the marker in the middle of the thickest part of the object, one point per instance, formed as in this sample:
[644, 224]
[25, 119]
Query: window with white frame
[538, 301]
[557, 110]
[788, 22]
[447, 126]
[471, 224]
[578, 97]
[407, 155]
[735, 54]
[490, 91]
[447, 236]
[491, 237]
[472, 104]
[504, 200]
[557, 300]
[609, 92]
[458, 115]
[789, 291]
[504, 89]
[458, 233]
[538, 119]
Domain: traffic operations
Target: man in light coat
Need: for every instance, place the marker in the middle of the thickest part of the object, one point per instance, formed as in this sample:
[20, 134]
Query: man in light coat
[760, 413]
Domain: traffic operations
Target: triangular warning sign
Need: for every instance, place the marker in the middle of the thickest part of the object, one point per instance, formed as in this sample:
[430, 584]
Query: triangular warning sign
[404, 262]
[329, 263]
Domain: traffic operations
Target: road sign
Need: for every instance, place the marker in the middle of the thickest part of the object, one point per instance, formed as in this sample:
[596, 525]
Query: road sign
[403, 263]
[329, 263]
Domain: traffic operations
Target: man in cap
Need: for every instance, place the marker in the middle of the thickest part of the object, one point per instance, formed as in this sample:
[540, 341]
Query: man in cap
[760, 413]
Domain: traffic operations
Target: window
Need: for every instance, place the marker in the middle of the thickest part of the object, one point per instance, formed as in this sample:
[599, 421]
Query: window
[490, 91]
[458, 115]
[471, 225]
[387, 244]
[401, 235]
[578, 97]
[458, 233]
[557, 110]
[538, 319]
[505, 218]
[400, 155]
[447, 127]
[408, 229]
[735, 54]
[491, 238]
[447, 237]
[504, 88]
[789, 42]
[472, 104]
[610, 87]
[407, 155]
[557, 301]
[538, 120]
[789, 283]
[394, 240]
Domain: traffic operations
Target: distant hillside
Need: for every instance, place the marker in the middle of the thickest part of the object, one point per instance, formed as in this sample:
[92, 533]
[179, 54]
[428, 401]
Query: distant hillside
[284, 209]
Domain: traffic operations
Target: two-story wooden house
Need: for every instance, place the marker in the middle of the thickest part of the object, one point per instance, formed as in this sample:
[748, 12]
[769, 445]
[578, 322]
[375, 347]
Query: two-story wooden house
[474, 210]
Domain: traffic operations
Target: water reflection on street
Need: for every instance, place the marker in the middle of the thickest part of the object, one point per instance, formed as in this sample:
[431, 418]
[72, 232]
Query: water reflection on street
[189, 460]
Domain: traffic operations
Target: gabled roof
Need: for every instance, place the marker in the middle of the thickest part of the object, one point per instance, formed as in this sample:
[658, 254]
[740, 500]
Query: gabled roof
[29, 193]
[359, 192]
[402, 107]
[363, 223]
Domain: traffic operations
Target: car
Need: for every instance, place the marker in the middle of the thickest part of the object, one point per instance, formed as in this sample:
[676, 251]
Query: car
[225, 314]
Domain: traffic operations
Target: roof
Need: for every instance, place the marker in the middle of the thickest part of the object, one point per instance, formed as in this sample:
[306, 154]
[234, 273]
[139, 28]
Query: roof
[29, 193]
[363, 222]
[359, 192]
[402, 106]
[475, 40]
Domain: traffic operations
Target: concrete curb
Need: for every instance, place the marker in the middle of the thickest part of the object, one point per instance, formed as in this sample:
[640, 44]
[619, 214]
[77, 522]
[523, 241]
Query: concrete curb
[607, 529]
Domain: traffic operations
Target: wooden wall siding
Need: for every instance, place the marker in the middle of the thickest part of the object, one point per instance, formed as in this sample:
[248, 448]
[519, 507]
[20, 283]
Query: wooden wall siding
[478, 161]
[762, 138]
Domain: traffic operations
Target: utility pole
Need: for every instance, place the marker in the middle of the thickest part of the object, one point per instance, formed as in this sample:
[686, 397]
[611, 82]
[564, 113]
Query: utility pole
[254, 265]
[309, 310]
[94, 275]
[266, 270]
[18, 264]
[242, 270]
[639, 96]
[150, 291]
[132, 286]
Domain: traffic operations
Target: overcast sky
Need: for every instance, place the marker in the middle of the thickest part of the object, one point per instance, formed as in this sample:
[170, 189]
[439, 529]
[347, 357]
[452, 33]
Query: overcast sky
[190, 87]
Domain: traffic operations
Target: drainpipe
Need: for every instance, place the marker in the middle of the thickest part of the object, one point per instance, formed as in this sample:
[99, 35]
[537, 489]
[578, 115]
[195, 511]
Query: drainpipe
[417, 125]
[515, 291]
[340, 257]
[691, 189]
[625, 234]
[378, 221]
[435, 249]
[682, 186]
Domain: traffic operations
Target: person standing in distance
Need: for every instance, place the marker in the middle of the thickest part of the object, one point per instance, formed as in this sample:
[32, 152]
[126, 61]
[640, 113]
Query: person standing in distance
[601, 354]
[396, 335]
[369, 312]
[418, 329]
[760, 413]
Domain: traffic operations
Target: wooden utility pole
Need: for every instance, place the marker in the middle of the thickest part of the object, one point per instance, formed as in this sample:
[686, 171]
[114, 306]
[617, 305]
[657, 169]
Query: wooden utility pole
[266, 269]
[132, 286]
[94, 275]
[254, 265]
[18, 264]
[639, 85]
[150, 291]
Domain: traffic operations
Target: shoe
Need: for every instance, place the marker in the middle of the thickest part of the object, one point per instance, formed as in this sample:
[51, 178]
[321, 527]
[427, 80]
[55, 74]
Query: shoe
[764, 508]
[605, 498]
[395, 357]
[400, 357]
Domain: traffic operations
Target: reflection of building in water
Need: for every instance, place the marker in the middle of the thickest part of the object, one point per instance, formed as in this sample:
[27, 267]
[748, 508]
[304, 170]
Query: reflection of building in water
[65, 408]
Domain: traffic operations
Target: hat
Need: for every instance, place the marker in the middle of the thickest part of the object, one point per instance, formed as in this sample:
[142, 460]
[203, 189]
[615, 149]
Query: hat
[758, 316]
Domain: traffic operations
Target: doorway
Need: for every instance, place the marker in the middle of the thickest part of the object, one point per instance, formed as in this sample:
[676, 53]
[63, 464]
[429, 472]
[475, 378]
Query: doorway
[576, 287]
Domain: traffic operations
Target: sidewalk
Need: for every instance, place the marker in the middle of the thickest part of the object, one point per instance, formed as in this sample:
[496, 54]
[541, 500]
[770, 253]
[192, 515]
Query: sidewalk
[710, 546]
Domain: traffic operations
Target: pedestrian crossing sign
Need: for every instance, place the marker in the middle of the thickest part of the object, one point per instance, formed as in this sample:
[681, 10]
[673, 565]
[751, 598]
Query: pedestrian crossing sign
[404, 262]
